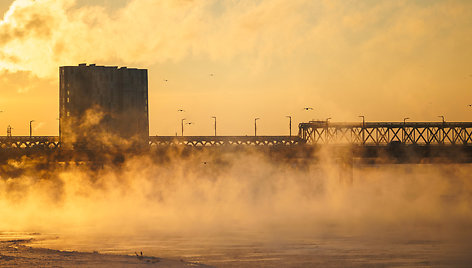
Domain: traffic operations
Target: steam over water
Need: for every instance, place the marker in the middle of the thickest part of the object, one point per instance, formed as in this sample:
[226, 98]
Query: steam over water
[243, 209]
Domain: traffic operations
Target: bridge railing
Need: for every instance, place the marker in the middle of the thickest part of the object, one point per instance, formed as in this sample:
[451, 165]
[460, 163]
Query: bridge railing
[23, 142]
[385, 133]
[205, 141]
[314, 132]
[51, 142]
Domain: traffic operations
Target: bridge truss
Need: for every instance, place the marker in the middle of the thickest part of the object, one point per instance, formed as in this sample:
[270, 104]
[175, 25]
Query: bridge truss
[207, 141]
[311, 133]
[27, 142]
[387, 133]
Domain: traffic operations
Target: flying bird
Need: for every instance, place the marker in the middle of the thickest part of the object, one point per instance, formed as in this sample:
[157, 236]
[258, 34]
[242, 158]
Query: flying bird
[165, 80]
[307, 108]
[180, 110]
[470, 105]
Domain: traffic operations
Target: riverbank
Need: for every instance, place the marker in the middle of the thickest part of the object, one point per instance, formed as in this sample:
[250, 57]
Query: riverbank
[17, 253]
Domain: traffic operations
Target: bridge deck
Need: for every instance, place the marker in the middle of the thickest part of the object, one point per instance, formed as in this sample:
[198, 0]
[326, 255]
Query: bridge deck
[311, 133]
[225, 140]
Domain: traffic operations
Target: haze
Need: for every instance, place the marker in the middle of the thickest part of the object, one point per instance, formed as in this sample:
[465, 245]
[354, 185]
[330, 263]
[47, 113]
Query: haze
[383, 59]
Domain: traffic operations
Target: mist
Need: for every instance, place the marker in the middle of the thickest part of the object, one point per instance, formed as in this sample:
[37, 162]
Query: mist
[210, 194]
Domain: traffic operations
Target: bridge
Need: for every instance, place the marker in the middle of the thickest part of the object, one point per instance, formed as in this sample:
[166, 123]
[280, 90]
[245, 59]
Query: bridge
[377, 134]
[387, 133]
[29, 142]
[403, 141]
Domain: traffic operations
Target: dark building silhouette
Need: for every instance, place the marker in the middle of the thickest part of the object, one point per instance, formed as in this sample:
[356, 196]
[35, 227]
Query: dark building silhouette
[102, 106]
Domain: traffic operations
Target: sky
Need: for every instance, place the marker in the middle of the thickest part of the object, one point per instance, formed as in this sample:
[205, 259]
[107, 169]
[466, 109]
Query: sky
[386, 60]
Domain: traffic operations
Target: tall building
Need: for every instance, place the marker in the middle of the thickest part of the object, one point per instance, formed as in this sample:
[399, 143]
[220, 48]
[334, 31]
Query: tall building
[102, 106]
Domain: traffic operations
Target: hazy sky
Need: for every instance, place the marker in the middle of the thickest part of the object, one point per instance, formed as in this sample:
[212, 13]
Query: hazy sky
[383, 59]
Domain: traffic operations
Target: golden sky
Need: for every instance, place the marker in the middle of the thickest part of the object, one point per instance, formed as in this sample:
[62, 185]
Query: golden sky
[383, 59]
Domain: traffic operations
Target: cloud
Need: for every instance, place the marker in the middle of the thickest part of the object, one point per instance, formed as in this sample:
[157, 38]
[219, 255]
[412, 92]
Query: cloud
[40, 35]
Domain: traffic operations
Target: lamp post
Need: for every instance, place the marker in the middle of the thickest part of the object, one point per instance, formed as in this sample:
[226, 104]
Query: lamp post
[214, 117]
[2, 112]
[31, 128]
[363, 126]
[182, 125]
[404, 129]
[289, 124]
[255, 126]
[443, 121]
[9, 128]
[327, 129]
[442, 116]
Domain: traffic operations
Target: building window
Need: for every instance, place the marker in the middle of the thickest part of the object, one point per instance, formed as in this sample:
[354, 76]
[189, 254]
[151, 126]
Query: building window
[68, 100]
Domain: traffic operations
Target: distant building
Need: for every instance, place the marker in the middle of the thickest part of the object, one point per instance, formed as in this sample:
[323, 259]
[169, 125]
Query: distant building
[101, 106]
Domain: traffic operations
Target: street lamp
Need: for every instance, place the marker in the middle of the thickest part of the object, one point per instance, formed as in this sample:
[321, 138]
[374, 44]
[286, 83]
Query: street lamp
[255, 126]
[442, 116]
[442, 128]
[404, 129]
[290, 124]
[214, 117]
[326, 129]
[182, 125]
[2, 112]
[9, 128]
[31, 129]
[363, 120]
[363, 126]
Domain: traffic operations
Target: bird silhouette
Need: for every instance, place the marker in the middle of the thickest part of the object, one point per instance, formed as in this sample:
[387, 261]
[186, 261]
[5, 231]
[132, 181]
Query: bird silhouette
[470, 105]
[165, 80]
[180, 110]
[307, 108]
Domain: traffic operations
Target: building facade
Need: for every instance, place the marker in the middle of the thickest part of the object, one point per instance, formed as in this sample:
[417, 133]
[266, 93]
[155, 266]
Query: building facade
[103, 106]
